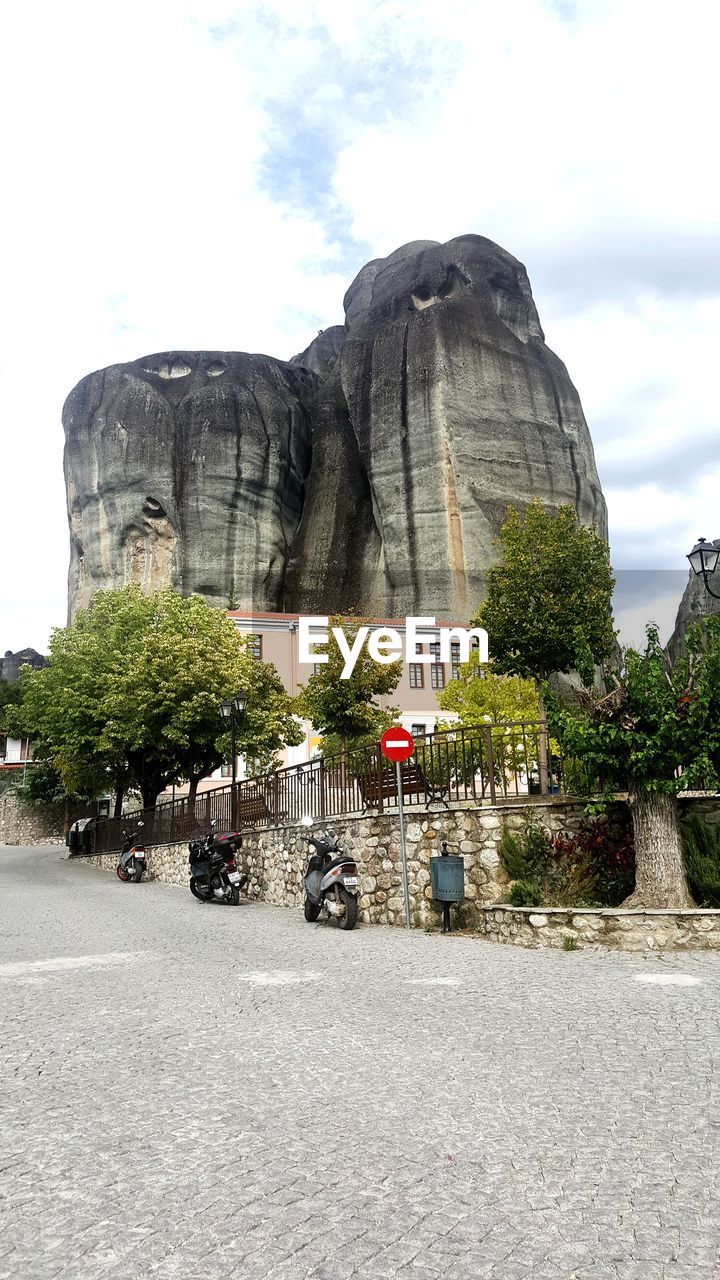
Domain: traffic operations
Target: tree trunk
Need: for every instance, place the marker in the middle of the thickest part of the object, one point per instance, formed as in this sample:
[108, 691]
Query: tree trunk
[119, 797]
[194, 780]
[659, 872]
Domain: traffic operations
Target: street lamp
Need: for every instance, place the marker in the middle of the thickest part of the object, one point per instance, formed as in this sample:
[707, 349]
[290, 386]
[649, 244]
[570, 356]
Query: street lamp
[703, 561]
[232, 710]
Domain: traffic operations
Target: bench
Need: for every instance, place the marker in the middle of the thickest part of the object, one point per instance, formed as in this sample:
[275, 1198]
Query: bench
[380, 785]
[252, 808]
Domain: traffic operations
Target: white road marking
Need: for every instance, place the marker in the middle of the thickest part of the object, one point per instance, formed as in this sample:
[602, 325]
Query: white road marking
[432, 982]
[668, 979]
[279, 977]
[60, 963]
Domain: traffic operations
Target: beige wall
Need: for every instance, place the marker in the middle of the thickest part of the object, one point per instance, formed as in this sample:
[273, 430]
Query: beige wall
[279, 635]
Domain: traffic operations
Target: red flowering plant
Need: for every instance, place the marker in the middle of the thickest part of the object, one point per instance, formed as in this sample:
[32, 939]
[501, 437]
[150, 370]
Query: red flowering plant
[598, 861]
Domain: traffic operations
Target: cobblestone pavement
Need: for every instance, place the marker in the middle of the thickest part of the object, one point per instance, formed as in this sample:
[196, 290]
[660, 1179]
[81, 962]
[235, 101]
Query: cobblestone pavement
[195, 1091]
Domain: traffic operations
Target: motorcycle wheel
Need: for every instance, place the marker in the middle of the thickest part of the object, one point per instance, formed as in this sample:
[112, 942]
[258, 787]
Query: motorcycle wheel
[312, 910]
[121, 873]
[348, 919]
[195, 891]
[234, 898]
[138, 876]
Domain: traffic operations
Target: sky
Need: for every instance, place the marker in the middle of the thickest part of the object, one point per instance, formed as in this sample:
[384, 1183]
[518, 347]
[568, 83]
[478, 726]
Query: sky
[213, 173]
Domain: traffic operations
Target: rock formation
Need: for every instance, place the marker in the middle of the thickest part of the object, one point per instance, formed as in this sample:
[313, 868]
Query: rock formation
[696, 603]
[369, 474]
[188, 468]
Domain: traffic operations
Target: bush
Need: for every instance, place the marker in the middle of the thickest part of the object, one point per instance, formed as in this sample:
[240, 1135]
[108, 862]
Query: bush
[524, 894]
[592, 867]
[602, 859]
[701, 855]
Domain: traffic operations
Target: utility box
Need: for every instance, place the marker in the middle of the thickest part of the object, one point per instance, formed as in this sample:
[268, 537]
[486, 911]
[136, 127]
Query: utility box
[447, 877]
[81, 836]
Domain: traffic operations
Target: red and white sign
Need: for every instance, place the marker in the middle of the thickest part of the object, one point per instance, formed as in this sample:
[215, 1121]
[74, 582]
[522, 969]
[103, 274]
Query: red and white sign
[397, 744]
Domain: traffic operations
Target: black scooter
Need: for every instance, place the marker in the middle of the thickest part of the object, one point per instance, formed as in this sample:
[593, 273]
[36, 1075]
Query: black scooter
[331, 881]
[214, 876]
[132, 857]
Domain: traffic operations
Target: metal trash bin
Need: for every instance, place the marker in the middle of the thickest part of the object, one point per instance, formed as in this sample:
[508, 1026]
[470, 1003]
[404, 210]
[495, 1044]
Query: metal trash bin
[447, 880]
[81, 836]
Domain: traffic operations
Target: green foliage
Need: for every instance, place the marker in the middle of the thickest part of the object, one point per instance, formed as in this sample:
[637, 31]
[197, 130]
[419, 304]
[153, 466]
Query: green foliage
[701, 855]
[345, 712]
[548, 604]
[570, 943]
[9, 697]
[657, 727]
[43, 784]
[480, 696]
[591, 867]
[524, 893]
[132, 691]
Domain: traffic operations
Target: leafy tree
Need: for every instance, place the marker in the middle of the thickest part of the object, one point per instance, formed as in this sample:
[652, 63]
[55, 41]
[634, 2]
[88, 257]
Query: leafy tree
[9, 697]
[482, 699]
[132, 692]
[345, 711]
[548, 605]
[656, 733]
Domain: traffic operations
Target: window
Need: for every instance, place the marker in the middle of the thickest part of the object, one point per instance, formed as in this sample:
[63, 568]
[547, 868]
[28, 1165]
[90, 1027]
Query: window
[454, 659]
[418, 730]
[225, 769]
[417, 680]
[437, 675]
[3, 746]
[318, 668]
[435, 649]
[254, 644]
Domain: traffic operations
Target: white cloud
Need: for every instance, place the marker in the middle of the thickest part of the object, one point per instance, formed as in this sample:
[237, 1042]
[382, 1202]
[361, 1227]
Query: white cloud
[138, 214]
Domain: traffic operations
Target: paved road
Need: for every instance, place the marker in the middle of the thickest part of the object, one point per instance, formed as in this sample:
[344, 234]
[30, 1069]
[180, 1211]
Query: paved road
[194, 1091]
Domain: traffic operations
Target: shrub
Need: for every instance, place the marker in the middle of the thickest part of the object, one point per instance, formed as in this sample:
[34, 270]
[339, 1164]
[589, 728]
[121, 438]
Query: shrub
[602, 860]
[701, 855]
[592, 867]
[570, 943]
[524, 894]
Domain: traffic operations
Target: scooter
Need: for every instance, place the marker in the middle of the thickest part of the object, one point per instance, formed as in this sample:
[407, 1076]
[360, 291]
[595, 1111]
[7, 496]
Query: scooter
[132, 857]
[331, 881]
[214, 876]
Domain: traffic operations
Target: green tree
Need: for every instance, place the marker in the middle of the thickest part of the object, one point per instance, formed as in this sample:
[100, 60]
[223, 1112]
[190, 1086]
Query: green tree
[548, 605]
[656, 733]
[9, 697]
[132, 691]
[482, 699]
[345, 712]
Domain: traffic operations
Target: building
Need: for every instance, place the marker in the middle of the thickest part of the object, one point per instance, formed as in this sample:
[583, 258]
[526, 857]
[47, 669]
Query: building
[274, 637]
[15, 753]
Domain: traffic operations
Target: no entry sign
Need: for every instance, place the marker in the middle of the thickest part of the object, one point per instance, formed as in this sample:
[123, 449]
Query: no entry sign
[397, 744]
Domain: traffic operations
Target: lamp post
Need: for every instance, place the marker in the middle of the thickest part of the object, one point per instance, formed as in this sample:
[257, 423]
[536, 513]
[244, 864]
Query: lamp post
[703, 561]
[232, 710]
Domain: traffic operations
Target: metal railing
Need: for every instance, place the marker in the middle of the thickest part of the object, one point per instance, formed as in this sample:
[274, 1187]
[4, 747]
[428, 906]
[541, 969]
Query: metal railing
[489, 764]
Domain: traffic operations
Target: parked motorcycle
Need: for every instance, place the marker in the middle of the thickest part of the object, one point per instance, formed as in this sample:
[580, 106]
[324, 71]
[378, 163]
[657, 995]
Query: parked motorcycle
[132, 863]
[214, 876]
[331, 881]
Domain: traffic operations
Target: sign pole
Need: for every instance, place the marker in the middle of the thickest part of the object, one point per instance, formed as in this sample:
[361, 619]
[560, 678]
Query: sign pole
[398, 745]
[403, 848]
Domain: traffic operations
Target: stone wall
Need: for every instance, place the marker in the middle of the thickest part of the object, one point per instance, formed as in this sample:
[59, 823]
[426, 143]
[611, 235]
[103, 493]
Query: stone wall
[22, 823]
[621, 930]
[276, 858]
[25, 824]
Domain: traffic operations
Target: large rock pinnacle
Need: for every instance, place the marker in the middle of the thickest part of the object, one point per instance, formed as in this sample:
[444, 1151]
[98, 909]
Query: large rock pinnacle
[371, 474]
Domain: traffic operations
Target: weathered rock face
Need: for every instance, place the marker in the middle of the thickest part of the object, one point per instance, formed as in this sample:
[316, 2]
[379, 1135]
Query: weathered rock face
[696, 603]
[370, 474]
[188, 469]
[459, 409]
